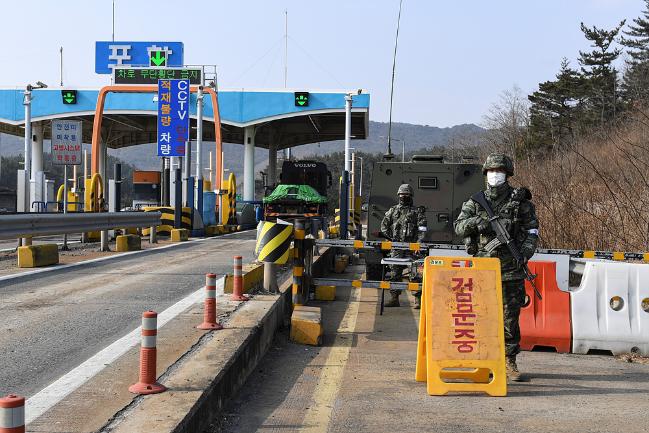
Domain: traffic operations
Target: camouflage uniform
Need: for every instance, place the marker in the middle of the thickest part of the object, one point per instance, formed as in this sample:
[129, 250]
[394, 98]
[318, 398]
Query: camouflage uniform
[403, 223]
[517, 213]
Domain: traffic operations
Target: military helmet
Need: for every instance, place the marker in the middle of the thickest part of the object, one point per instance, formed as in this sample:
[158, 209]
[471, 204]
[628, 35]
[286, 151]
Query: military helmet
[499, 160]
[405, 189]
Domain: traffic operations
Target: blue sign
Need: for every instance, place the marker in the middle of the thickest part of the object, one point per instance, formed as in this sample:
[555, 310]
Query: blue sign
[173, 117]
[149, 54]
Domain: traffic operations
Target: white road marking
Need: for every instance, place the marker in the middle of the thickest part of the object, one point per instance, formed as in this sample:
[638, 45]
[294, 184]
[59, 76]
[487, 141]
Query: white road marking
[49, 396]
[112, 257]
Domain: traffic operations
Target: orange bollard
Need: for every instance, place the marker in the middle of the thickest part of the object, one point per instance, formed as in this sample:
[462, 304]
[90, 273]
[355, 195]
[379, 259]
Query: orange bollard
[209, 312]
[148, 357]
[12, 414]
[237, 287]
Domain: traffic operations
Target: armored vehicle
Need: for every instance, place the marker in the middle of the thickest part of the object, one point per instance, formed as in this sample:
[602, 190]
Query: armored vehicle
[440, 187]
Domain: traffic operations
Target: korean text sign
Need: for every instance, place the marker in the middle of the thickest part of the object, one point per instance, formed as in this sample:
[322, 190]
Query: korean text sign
[66, 142]
[111, 54]
[173, 117]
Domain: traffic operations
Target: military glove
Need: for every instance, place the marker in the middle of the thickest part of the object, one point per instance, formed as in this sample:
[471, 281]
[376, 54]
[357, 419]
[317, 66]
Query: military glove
[483, 226]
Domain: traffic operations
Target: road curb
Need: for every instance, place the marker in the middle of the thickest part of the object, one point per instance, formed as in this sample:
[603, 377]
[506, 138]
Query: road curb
[206, 380]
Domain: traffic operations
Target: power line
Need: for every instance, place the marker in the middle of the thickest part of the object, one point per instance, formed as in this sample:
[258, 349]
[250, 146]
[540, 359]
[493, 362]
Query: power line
[394, 65]
[318, 64]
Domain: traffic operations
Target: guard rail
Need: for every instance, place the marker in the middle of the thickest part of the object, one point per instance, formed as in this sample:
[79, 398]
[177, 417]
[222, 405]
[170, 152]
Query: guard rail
[26, 225]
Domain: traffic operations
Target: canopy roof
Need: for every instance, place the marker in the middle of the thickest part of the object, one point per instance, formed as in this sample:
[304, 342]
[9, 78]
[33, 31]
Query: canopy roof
[130, 118]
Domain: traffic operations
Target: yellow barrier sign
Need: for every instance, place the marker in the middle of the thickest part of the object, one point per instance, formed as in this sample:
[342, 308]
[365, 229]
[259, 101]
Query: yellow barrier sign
[273, 242]
[461, 337]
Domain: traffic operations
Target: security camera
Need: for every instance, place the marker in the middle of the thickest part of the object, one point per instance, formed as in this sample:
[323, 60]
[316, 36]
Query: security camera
[41, 85]
[200, 88]
[360, 91]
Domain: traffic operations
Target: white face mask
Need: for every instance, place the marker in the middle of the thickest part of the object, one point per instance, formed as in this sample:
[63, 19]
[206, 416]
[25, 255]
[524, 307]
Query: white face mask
[496, 178]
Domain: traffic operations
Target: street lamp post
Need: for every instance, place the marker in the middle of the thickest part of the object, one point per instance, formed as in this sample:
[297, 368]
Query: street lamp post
[27, 102]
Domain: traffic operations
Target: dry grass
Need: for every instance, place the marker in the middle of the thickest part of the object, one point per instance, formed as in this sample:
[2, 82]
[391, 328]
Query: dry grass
[594, 194]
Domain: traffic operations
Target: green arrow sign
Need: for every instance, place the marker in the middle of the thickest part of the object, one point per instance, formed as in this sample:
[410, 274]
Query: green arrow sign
[69, 96]
[301, 99]
[158, 58]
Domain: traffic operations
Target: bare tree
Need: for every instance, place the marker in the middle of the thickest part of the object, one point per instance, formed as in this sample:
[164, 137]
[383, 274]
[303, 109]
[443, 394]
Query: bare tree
[507, 122]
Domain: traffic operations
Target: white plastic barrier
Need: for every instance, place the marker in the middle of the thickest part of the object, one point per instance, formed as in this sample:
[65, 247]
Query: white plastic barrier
[610, 310]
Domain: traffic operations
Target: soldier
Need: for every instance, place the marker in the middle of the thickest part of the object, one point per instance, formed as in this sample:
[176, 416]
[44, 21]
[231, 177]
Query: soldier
[403, 222]
[517, 212]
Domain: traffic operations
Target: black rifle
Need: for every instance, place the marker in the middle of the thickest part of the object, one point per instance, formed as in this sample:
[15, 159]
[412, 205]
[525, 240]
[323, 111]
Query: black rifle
[503, 238]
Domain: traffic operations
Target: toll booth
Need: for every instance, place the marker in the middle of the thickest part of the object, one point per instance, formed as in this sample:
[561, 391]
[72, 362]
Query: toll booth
[146, 189]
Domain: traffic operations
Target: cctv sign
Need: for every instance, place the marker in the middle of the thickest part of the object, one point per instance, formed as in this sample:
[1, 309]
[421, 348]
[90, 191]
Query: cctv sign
[173, 117]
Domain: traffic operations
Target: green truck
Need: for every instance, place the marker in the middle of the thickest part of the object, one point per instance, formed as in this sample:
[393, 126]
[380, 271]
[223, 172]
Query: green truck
[301, 192]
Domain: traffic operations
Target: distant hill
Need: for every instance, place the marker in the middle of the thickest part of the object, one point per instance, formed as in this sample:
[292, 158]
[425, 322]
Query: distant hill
[415, 136]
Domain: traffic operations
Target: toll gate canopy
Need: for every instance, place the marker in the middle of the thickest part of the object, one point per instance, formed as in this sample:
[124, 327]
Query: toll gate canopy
[281, 119]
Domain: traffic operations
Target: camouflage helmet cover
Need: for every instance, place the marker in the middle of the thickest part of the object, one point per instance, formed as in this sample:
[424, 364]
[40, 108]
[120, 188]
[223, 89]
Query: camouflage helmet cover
[499, 160]
[405, 189]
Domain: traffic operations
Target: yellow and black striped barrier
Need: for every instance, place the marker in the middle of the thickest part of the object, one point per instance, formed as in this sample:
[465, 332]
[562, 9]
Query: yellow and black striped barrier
[229, 200]
[353, 222]
[273, 242]
[367, 284]
[415, 246]
[167, 219]
[299, 296]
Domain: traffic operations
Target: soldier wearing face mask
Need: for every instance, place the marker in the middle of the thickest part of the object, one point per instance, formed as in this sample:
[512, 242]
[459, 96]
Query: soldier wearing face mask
[517, 212]
[403, 223]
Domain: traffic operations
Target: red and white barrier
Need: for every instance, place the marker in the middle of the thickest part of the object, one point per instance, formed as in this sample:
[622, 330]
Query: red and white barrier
[209, 312]
[148, 357]
[12, 414]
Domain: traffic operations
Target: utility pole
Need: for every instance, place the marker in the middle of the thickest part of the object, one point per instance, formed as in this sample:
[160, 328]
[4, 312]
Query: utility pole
[61, 56]
[344, 190]
[27, 102]
[285, 47]
[287, 151]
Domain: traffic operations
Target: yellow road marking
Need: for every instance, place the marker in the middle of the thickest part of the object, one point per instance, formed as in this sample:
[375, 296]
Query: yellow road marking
[318, 416]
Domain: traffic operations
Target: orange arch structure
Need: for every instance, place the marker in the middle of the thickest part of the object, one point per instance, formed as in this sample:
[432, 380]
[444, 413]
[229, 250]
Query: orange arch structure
[99, 112]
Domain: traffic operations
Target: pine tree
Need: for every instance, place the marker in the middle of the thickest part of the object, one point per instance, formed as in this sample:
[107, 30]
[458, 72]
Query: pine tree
[556, 108]
[635, 84]
[600, 74]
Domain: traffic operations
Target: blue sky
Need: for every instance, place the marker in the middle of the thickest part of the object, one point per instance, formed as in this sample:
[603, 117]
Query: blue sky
[454, 58]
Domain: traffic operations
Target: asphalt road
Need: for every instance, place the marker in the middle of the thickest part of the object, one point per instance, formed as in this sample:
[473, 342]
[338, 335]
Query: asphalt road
[362, 379]
[52, 322]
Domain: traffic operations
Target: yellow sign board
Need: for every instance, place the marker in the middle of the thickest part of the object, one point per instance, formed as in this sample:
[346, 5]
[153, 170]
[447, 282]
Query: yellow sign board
[461, 335]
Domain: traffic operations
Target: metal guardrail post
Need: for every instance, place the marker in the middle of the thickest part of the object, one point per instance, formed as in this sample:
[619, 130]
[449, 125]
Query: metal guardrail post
[153, 238]
[104, 241]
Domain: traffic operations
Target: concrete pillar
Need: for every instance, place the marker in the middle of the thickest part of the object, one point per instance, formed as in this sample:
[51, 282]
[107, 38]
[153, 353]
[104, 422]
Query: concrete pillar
[37, 149]
[249, 163]
[272, 164]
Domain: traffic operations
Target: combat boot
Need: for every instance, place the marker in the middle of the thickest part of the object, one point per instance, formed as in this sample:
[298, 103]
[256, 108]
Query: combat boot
[394, 300]
[512, 369]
